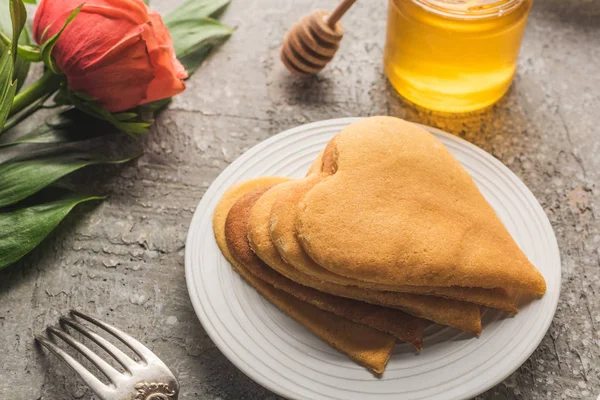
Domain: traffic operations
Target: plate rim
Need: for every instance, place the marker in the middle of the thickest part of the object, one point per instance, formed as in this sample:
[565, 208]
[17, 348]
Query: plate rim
[278, 389]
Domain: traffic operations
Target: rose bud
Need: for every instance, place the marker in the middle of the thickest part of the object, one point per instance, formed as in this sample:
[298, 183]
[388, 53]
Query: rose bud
[117, 51]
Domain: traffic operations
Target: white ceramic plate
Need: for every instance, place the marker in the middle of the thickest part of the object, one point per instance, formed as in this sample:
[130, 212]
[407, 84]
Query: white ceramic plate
[284, 357]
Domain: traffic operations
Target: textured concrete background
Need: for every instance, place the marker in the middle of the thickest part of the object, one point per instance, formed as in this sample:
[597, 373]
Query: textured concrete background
[123, 259]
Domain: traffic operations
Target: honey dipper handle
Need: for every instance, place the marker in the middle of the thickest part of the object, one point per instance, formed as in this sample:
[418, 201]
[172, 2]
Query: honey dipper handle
[339, 11]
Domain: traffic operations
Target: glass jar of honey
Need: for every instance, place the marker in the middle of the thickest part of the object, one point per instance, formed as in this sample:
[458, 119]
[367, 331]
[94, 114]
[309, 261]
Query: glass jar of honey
[454, 55]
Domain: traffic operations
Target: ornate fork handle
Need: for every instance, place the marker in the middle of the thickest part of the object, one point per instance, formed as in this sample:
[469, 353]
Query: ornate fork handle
[146, 379]
[154, 391]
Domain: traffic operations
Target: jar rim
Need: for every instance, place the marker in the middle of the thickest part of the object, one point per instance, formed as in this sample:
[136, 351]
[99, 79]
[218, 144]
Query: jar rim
[469, 9]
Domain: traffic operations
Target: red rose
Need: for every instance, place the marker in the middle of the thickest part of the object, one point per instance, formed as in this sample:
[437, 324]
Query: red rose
[117, 51]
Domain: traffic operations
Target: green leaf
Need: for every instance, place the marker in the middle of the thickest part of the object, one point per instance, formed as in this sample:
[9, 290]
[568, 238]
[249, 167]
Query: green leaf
[85, 96]
[21, 179]
[48, 45]
[155, 106]
[6, 96]
[64, 127]
[194, 33]
[29, 1]
[22, 64]
[8, 88]
[90, 107]
[21, 230]
[194, 38]
[62, 97]
[30, 53]
[125, 116]
[18, 15]
[195, 9]
[21, 68]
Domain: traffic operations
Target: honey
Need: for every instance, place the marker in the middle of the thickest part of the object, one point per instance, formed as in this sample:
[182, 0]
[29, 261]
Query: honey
[454, 55]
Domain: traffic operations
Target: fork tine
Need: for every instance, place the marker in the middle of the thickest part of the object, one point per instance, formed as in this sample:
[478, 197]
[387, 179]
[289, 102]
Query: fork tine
[112, 374]
[122, 358]
[94, 383]
[142, 351]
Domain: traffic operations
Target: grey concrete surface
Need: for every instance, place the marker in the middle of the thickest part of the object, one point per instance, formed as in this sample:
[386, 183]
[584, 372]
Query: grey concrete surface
[123, 260]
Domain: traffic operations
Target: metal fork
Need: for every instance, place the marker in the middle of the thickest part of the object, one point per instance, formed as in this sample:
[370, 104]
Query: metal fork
[148, 379]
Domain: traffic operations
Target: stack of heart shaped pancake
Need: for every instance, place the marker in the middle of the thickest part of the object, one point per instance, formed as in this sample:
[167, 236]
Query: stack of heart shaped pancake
[387, 230]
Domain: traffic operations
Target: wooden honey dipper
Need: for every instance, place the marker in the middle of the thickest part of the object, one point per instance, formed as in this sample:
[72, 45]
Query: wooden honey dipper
[313, 40]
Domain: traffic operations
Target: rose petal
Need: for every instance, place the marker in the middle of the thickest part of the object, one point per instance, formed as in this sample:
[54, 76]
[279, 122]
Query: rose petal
[121, 85]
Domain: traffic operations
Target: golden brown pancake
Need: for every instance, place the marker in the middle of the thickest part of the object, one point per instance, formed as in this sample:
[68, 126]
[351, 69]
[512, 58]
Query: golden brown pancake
[283, 233]
[401, 210]
[461, 315]
[366, 346]
[403, 326]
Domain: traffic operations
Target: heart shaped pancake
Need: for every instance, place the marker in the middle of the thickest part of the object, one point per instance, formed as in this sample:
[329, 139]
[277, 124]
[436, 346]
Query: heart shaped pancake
[400, 209]
[284, 235]
[461, 315]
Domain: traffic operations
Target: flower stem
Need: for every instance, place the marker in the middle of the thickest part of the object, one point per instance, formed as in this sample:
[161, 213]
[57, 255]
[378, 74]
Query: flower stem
[17, 119]
[48, 83]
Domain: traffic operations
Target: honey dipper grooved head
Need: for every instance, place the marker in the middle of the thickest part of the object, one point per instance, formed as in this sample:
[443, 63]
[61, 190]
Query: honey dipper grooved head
[311, 44]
